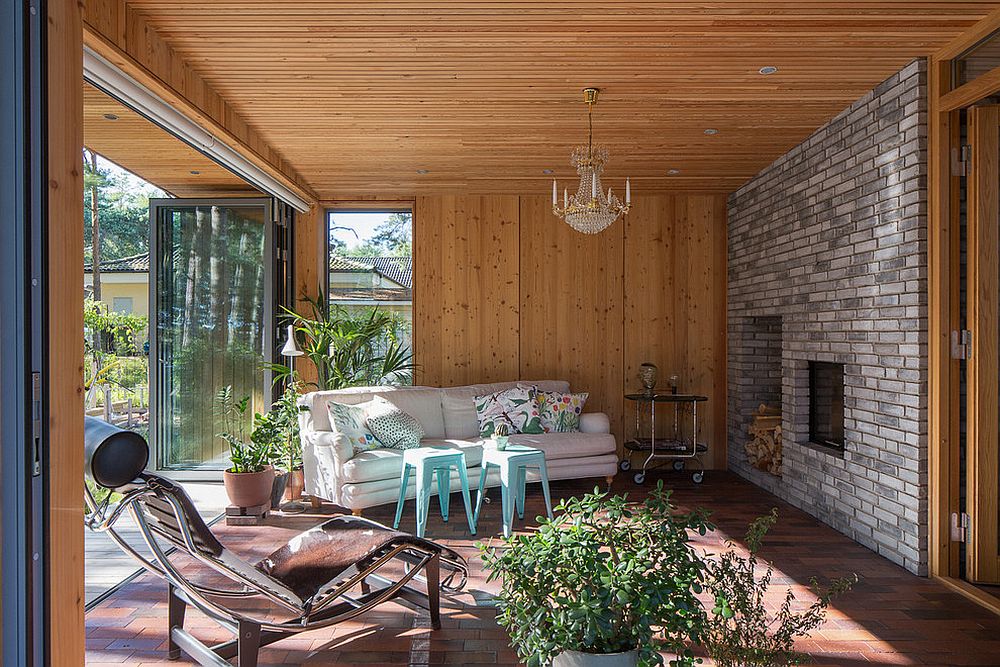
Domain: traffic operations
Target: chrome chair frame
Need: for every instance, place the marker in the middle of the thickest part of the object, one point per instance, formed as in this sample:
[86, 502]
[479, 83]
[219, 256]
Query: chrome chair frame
[332, 603]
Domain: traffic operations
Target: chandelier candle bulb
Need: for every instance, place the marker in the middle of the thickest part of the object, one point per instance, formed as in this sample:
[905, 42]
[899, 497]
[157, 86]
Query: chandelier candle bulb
[565, 198]
[555, 196]
[593, 185]
[628, 192]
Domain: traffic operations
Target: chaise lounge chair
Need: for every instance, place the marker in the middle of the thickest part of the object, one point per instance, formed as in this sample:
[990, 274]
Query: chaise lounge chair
[326, 575]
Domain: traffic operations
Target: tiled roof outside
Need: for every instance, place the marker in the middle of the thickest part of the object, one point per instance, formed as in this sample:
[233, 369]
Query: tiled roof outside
[132, 264]
[398, 269]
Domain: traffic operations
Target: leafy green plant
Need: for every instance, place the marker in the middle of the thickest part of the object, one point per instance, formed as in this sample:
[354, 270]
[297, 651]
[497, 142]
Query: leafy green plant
[350, 349]
[246, 453]
[279, 427]
[741, 631]
[604, 576]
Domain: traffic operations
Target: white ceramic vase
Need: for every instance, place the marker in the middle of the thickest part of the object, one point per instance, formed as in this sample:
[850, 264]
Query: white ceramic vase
[577, 659]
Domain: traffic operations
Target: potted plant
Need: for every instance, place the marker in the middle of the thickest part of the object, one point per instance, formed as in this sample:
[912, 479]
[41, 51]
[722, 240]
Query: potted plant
[279, 429]
[745, 630]
[605, 583]
[251, 478]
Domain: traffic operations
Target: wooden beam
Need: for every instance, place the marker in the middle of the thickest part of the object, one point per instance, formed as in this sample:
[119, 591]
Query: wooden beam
[64, 384]
[309, 230]
[969, 38]
[981, 87]
[126, 39]
[943, 315]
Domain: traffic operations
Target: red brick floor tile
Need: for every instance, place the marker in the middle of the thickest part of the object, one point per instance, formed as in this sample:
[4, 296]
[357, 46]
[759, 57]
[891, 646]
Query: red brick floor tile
[890, 618]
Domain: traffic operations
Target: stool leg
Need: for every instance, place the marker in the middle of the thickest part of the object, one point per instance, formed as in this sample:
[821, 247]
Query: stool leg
[507, 502]
[480, 493]
[404, 478]
[444, 490]
[423, 498]
[544, 473]
[463, 477]
[522, 481]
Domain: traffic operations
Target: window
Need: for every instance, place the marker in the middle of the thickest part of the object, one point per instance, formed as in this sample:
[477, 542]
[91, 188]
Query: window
[371, 267]
[122, 304]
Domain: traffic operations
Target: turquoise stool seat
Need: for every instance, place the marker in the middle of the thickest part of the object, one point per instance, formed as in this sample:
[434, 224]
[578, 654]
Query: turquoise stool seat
[429, 462]
[513, 463]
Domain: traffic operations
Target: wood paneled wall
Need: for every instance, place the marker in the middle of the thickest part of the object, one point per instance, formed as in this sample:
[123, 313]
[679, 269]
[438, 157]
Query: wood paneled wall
[504, 290]
[64, 387]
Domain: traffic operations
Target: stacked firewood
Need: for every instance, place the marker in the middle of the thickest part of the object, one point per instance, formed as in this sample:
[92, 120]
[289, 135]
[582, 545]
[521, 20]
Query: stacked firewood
[764, 446]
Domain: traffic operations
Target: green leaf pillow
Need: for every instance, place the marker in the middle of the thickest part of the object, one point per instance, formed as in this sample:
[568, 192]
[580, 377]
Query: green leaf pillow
[350, 421]
[516, 407]
[559, 412]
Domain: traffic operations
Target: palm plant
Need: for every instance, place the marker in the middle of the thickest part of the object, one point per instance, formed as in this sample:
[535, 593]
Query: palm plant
[350, 349]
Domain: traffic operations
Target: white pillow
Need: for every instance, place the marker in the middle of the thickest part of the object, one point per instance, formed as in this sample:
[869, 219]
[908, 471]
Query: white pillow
[393, 427]
[350, 421]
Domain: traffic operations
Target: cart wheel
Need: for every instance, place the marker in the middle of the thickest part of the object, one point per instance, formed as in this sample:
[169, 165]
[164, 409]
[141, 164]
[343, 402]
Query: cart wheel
[698, 477]
[625, 465]
[678, 465]
[639, 478]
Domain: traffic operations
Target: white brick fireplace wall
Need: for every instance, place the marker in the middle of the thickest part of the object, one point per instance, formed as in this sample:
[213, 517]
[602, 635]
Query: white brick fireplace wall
[827, 262]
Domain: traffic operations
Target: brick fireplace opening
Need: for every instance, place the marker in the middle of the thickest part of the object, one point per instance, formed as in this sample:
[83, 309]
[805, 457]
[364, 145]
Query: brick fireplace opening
[826, 404]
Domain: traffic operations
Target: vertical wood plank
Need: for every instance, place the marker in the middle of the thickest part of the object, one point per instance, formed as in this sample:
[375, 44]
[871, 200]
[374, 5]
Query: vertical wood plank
[466, 306]
[64, 385]
[309, 229]
[675, 301]
[572, 307]
[983, 485]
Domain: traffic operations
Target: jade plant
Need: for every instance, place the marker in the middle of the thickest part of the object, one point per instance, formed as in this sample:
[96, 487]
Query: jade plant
[743, 630]
[604, 576]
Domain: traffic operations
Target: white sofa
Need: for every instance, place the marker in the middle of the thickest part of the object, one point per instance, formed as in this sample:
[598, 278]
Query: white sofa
[448, 416]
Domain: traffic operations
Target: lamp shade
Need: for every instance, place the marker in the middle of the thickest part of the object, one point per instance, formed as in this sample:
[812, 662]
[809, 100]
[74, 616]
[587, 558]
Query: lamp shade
[291, 348]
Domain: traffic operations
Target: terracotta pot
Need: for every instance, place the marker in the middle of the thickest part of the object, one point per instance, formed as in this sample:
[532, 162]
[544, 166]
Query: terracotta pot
[296, 485]
[577, 659]
[249, 489]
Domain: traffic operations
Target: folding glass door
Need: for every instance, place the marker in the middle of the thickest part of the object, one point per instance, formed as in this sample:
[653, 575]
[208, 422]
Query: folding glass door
[211, 322]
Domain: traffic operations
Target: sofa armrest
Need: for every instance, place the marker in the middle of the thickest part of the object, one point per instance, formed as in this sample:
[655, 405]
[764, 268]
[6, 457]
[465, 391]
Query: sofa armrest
[330, 444]
[595, 422]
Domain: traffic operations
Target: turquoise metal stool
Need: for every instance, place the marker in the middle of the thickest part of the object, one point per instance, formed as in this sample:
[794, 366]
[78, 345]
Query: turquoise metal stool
[513, 463]
[428, 462]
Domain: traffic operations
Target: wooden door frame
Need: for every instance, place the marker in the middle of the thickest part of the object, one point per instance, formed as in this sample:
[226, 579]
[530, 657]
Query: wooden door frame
[945, 101]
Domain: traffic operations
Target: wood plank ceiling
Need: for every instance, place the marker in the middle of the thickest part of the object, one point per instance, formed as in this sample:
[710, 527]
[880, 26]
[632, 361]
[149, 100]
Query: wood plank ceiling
[119, 134]
[485, 95]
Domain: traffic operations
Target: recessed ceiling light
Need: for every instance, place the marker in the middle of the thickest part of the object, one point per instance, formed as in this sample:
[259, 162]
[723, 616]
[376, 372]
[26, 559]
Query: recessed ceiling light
[673, 172]
[768, 69]
[195, 172]
[421, 171]
[546, 171]
[110, 116]
[710, 131]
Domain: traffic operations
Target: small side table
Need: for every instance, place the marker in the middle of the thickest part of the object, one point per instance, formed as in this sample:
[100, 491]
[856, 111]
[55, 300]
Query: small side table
[513, 463]
[428, 462]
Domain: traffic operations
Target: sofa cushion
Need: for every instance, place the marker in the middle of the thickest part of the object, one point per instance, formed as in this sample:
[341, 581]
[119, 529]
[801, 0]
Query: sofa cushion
[559, 412]
[424, 403]
[516, 408]
[384, 463]
[568, 445]
[350, 421]
[393, 427]
[458, 405]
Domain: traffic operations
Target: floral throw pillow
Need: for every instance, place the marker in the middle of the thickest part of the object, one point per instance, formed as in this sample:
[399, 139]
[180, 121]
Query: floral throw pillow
[516, 407]
[560, 413]
[350, 422]
[393, 427]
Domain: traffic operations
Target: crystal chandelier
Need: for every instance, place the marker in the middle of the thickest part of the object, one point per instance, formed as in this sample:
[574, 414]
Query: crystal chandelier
[590, 210]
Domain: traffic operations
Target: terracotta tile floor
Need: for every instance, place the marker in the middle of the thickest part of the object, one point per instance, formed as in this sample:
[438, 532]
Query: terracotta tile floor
[890, 618]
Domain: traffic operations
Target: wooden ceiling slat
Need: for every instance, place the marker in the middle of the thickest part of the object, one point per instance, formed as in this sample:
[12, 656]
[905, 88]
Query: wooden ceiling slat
[485, 94]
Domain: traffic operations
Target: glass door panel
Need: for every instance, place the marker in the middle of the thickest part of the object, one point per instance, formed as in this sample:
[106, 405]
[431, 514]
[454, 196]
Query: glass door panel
[210, 300]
